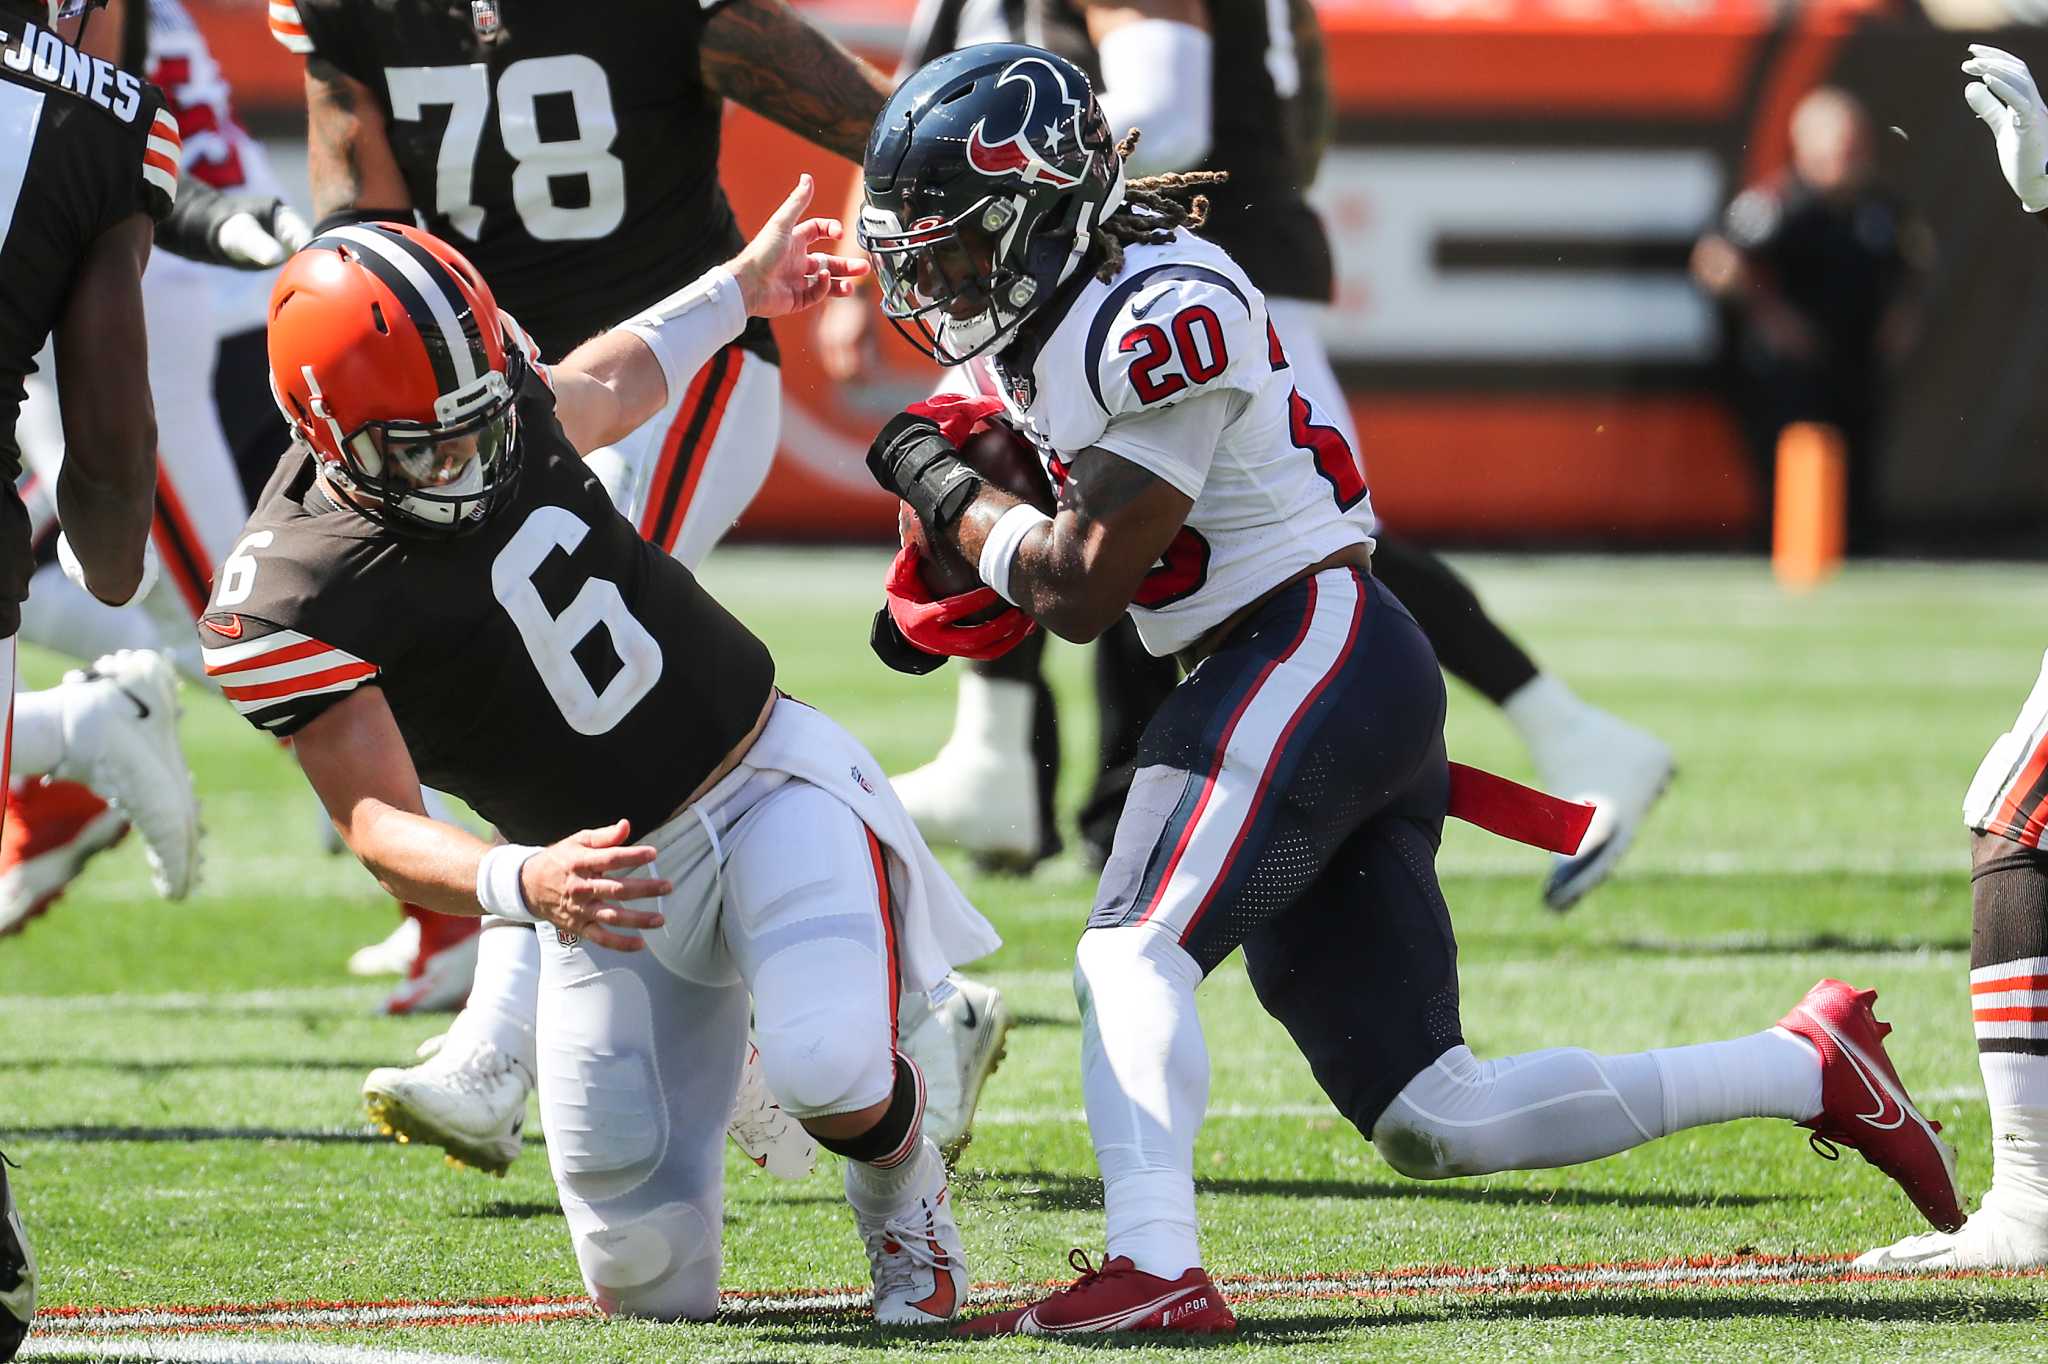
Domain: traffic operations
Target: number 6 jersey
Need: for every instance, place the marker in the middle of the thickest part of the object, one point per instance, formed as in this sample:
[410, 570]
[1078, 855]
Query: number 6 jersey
[550, 667]
[571, 153]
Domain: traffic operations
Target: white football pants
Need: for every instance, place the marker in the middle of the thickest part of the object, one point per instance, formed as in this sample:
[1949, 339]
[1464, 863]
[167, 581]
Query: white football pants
[779, 894]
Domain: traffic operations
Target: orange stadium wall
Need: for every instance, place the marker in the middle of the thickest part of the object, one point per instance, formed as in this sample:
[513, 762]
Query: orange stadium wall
[1512, 196]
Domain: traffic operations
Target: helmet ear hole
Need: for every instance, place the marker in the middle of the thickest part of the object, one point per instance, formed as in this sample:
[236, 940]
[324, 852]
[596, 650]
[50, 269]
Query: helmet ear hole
[377, 316]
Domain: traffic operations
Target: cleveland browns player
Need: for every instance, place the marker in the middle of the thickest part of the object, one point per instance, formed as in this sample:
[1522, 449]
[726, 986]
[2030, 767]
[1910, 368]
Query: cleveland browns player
[577, 164]
[1263, 114]
[1291, 791]
[88, 165]
[2006, 811]
[436, 587]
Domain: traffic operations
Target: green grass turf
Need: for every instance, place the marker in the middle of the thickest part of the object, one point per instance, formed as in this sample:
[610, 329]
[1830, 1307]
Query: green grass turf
[179, 1083]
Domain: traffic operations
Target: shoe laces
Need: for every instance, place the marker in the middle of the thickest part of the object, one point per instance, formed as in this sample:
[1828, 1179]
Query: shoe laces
[897, 1250]
[1089, 1274]
[1824, 1148]
[480, 1070]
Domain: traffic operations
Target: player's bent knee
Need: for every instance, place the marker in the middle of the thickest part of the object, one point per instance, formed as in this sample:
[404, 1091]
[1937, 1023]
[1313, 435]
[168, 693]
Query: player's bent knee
[815, 1072]
[661, 1267]
[1440, 1126]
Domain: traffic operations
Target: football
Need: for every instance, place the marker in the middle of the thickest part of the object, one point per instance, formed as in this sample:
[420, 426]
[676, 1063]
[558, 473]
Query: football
[1003, 456]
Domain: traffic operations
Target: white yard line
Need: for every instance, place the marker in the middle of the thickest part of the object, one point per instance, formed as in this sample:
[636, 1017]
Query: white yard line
[158, 1350]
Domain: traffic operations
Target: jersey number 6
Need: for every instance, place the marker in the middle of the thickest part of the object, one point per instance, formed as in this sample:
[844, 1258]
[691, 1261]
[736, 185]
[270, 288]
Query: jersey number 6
[551, 641]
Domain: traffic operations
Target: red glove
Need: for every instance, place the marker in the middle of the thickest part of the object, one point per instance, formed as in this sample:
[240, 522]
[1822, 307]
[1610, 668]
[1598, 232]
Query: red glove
[959, 415]
[936, 626]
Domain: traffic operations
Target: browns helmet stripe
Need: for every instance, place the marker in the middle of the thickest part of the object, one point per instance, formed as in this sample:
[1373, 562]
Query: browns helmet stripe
[432, 297]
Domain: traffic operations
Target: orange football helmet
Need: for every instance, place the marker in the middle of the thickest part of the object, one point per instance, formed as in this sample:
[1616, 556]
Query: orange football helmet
[388, 358]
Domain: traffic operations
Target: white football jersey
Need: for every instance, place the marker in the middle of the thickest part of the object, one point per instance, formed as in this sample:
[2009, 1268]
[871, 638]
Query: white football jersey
[1281, 490]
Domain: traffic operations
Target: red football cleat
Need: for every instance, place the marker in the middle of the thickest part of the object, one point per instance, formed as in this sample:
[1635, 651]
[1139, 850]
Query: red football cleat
[53, 829]
[1864, 1105]
[1117, 1297]
[443, 967]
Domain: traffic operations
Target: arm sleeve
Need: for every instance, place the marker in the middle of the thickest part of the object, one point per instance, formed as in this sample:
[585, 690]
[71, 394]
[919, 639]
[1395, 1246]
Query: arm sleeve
[1175, 443]
[1155, 78]
[280, 680]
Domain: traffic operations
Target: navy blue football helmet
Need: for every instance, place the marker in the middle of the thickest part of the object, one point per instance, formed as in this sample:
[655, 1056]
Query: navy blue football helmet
[983, 177]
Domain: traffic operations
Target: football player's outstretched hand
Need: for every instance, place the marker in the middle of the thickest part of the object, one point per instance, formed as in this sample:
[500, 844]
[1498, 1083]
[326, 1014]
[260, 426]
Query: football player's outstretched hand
[2005, 97]
[779, 273]
[577, 886]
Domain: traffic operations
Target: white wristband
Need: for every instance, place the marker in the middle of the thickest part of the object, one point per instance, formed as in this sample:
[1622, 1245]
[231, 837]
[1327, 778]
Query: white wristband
[67, 559]
[688, 327]
[497, 882]
[999, 551]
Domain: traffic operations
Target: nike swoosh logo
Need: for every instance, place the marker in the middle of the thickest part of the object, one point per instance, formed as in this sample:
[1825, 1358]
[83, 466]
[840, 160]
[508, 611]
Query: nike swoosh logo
[231, 626]
[944, 1299]
[1889, 1113]
[967, 1005]
[141, 707]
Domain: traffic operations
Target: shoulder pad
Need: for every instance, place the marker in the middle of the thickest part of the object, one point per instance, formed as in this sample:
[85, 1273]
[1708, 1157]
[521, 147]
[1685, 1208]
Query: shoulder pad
[1172, 330]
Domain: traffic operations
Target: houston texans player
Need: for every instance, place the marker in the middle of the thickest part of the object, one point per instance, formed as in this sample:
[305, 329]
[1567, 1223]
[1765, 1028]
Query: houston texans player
[1239, 86]
[2006, 811]
[1290, 792]
[435, 511]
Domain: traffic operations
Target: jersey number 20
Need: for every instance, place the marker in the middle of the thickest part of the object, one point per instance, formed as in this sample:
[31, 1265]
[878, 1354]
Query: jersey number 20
[551, 641]
[465, 91]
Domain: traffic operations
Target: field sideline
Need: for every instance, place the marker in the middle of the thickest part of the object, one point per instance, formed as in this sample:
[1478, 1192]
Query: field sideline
[178, 1084]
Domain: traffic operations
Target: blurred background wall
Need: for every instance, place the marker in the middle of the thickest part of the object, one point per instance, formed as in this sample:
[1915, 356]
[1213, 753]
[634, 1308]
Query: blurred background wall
[1514, 195]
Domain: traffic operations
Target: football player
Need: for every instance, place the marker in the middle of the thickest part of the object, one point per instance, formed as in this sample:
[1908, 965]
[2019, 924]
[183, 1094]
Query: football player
[17, 1272]
[1263, 114]
[228, 224]
[2006, 811]
[88, 163]
[1291, 791]
[437, 586]
[577, 163]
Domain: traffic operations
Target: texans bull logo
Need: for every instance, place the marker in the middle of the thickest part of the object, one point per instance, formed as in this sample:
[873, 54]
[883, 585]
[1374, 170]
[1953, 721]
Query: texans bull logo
[1015, 154]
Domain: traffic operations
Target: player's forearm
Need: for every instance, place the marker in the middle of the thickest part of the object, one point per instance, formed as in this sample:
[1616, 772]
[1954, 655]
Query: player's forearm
[349, 161]
[106, 504]
[767, 57]
[416, 860]
[1064, 574]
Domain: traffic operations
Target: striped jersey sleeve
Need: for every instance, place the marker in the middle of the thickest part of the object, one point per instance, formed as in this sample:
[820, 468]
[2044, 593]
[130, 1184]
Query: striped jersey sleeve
[163, 152]
[527, 347]
[279, 680]
[289, 28]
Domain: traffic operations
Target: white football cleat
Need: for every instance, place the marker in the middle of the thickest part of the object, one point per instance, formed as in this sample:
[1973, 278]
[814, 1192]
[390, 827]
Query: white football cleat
[770, 1138]
[957, 1044]
[17, 1272]
[121, 739]
[390, 957]
[469, 1099]
[1617, 768]
[1995, 1237]
[978, 794]
[917, 1259]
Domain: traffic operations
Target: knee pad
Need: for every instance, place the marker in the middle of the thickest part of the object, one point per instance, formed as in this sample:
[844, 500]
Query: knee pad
[601, 1100]
[1105, 956]
[1420, 1134]
[825, 1060]
[662, 1266]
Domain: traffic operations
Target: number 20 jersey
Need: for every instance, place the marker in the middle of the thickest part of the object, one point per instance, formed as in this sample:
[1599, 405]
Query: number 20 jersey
[569, 150]
[550, 667]
[1281, 490]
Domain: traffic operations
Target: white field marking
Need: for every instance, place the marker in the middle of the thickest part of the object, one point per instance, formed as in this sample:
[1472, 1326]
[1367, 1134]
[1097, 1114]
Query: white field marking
[298, 1000]
[194, 1351]
[1664, 1275]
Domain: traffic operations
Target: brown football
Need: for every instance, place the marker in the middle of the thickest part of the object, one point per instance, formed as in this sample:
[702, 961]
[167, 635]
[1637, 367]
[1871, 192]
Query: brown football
[1007, 460]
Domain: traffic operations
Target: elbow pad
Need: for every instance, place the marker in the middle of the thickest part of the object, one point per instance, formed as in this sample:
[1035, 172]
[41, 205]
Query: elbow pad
[1156, 78]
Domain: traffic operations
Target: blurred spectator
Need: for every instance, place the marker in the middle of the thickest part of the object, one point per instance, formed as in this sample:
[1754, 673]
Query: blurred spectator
[1822, 268]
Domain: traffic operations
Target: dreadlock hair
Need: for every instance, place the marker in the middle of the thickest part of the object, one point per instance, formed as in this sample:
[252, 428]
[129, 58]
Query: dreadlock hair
[1152, 208]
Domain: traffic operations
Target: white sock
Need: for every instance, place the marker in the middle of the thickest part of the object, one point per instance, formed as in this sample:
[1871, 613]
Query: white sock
[1770, 1074]
[2016, 1082]
[506, 994]
[993, 714]
[1539, 1110]
[877, 1192]
[38, 732]
[64, 617]
[1542, 709]
[1145, 1080]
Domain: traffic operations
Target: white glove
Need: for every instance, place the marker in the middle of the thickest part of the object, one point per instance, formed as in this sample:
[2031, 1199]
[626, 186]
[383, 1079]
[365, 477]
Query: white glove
[251, 244]
[67, 559]
[2005, 97]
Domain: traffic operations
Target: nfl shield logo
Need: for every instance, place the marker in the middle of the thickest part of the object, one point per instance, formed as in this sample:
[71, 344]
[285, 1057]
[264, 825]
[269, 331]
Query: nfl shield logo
[483, 17]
